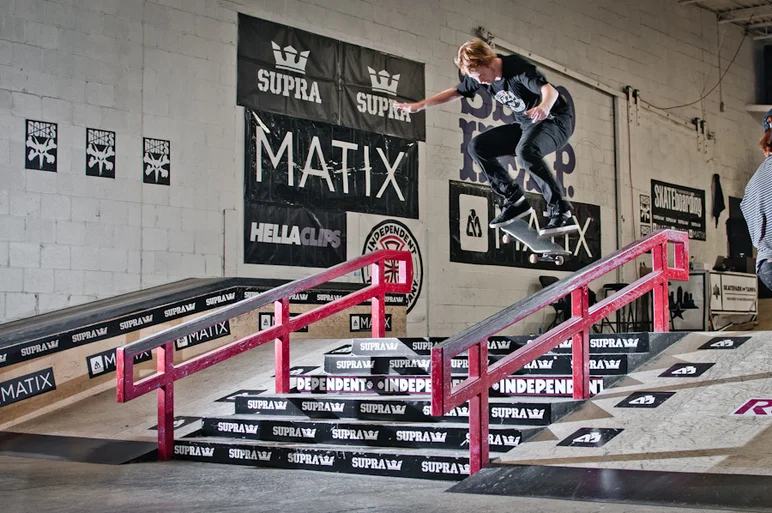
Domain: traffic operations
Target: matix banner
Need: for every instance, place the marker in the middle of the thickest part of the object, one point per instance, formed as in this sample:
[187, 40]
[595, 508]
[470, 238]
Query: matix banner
[289, 71]
[316, 165]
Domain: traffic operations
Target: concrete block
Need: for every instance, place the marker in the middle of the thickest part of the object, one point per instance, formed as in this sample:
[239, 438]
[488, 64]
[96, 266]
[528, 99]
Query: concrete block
[114, 260]
[69, 282]
[23, 205]
[39, 230]
[39, 281]
[154, 239]
[86, 257]
[68, 232]
[23, 254]
[55, 207]
[20, 306]
[55, 256]
[11, 279]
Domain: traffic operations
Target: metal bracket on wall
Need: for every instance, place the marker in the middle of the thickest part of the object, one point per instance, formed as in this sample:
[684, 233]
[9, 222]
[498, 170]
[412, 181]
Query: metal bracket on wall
[703, 135]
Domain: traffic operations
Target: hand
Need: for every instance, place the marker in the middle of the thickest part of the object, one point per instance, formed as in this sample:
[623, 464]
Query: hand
[537, 113]
[409, 107]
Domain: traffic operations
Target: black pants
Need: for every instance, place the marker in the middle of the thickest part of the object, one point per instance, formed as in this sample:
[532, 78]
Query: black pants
[529, 145]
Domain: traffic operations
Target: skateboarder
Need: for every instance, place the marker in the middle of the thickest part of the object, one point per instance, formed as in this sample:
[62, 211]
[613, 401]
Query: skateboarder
[543, 124]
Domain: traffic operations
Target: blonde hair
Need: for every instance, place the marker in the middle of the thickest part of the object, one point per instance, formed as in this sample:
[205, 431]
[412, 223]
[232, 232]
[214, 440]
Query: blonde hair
[474, 54]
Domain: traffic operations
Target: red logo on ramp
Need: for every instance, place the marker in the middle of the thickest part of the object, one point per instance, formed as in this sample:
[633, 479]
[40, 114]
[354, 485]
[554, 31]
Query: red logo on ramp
[755, 408]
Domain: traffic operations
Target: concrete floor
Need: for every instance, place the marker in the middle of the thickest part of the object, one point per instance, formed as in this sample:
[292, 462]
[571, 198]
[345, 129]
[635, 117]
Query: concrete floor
[41, 486]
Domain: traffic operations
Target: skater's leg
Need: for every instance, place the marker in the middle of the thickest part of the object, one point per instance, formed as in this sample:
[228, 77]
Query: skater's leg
[541, 139]
[485, 149]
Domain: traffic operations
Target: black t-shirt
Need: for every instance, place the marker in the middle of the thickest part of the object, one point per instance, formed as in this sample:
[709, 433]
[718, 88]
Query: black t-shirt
[519, 87]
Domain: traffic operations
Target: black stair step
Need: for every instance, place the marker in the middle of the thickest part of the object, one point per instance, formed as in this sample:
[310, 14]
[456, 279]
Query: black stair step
[612, 343]
[361, 433]
[545, 386]
[553, 386]
[420, 346]
[548, 364]
[414, 463]
[408, 409]
[600, 343]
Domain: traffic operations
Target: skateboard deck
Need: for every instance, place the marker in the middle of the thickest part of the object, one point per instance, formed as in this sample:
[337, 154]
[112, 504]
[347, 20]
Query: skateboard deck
[543, 248]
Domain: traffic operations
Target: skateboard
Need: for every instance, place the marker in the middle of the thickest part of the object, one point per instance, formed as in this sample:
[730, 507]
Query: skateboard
[544, 249]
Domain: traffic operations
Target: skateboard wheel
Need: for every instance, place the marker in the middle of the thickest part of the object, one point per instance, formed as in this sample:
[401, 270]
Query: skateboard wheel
[505, 238]
[559, 260]
[533, 258]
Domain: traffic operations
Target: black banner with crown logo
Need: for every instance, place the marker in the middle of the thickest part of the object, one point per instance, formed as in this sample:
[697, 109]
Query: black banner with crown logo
[288, 71]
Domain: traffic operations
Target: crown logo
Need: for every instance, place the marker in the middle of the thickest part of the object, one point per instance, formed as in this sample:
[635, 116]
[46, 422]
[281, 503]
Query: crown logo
[438, 437]
[382, 82]
[394, 465]
[288, 58]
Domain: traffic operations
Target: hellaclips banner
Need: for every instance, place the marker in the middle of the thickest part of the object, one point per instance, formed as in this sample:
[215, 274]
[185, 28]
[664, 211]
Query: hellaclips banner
[317, 165]
[279, 235]
[296, 73]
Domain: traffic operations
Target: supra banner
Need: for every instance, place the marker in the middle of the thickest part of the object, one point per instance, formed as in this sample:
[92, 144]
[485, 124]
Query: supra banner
[289, 71]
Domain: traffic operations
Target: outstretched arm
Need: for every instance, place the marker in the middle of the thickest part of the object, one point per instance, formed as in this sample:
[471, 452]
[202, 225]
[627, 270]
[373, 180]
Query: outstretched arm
[448, 95]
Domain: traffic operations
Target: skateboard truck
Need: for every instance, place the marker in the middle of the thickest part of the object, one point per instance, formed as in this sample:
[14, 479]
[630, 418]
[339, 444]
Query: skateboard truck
[543, 249]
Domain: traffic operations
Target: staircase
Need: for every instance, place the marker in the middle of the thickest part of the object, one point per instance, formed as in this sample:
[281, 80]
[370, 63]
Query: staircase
[370, 411]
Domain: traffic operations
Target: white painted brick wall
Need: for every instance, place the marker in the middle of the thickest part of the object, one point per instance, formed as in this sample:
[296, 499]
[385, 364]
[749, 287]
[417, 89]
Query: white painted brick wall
[54, 256]
[84, 258]
[24, 255]
[39, 281]
[69, 282]
[70, 233]
[12, 279]
[39, 230]
[167, 69]
[20, 305]
[99, 235]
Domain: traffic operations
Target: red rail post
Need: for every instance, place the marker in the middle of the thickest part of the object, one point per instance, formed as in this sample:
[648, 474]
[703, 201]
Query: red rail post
[282, 347]
[660, 291]
[580, 345]
[478, 407]
[378, 302]
[164, 366]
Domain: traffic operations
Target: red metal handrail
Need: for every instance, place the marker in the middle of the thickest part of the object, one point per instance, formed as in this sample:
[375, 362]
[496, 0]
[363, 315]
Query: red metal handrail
[167, 373]
[474, 339]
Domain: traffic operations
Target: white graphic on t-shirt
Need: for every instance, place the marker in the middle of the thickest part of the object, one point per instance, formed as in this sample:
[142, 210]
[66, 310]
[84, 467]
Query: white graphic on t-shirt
[508, 98]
